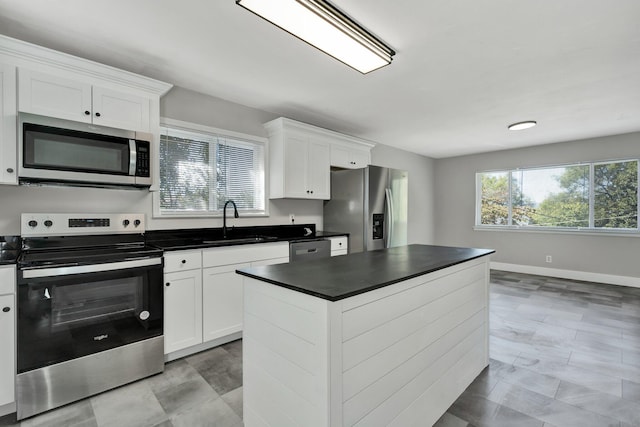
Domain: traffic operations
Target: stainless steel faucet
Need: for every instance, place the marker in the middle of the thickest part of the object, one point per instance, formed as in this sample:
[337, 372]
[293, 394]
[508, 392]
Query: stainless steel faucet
[224, 216]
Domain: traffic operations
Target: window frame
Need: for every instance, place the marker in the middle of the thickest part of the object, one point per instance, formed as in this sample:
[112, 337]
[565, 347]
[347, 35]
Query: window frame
[591, 229]
[214, 132]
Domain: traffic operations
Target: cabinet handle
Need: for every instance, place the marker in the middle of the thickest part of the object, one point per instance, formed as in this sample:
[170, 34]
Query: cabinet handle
[168, 284]
[10, 170]
[6, 309]
[97, 114]
[184, 261]
[311, 191]
[87, 112]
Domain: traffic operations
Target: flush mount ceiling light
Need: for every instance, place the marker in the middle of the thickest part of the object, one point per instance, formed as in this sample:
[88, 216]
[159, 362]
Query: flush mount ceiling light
[522, 125]
[323, 26]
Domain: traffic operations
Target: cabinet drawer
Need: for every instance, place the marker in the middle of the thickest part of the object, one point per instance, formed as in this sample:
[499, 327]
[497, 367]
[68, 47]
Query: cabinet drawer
[182, 260]
[8, 280]
[244, 253]
[338, 243]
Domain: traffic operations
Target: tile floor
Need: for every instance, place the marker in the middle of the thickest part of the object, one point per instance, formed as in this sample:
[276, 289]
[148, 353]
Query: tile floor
[563, 353]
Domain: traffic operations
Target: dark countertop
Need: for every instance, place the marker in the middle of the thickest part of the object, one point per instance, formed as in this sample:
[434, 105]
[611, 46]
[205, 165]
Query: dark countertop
[344, 276]
[181, 239]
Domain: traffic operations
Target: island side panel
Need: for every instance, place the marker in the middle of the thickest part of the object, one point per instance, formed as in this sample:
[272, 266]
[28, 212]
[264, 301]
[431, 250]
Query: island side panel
[285, 357]
[410, 349]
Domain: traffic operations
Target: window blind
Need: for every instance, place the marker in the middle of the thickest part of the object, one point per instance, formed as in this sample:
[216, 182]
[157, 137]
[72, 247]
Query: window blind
[199, 172]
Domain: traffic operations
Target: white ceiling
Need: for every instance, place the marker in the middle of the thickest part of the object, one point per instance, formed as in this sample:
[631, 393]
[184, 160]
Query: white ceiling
[463, 71]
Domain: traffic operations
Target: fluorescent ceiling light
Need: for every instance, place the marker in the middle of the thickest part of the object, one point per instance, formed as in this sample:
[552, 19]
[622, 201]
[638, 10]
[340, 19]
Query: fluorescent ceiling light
[322, 25]
[522, 125]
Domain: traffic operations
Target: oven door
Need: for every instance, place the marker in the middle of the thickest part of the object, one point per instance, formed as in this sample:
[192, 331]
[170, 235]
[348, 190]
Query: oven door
[69, 312]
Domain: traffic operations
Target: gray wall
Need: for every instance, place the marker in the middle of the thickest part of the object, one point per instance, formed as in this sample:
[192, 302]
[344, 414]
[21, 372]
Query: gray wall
[455, 209]
[182, 104]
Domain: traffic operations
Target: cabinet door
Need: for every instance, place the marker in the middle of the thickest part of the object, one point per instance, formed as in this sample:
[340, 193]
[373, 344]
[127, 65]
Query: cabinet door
[340, 156]
[359, 159]
[7, 351]
[296, 155]
[339, 245]
[222, 304]
[8, 123]
[120, 110]
[53, 96]
[319, 170]
[344, 157]
[182, 310]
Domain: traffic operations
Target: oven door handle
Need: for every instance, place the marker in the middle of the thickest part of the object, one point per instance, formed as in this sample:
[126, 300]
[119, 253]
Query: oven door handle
[94, 268]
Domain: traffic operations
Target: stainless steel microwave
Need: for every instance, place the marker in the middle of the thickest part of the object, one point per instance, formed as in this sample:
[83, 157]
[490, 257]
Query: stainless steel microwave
[59, 155]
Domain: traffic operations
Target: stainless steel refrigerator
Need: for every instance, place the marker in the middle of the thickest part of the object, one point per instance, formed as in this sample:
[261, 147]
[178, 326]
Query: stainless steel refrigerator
[370, 204]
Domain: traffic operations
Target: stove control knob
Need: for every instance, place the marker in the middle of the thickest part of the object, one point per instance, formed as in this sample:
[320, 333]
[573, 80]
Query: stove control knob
[125, 222]
[48, 223]
[137, 222]
[33, 223]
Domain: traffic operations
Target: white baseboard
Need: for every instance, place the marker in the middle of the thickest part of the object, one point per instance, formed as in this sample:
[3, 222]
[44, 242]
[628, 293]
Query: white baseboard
[7, 409]
[568, 274]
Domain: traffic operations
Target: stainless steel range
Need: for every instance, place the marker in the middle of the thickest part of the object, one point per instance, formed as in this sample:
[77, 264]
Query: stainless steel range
[90, 308]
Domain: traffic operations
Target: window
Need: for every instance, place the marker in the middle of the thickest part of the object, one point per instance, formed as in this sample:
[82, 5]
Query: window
[585, 196]
[202, 168]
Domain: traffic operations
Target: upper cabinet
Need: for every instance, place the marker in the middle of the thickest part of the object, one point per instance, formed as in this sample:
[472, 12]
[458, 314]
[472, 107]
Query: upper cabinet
[301, 157]
[299, 162]
[350, 157]
[38, 81]
[53, 96]
[8, 123]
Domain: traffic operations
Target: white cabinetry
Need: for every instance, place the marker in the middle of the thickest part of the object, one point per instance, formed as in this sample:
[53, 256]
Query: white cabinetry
[339, 245]
[222, 288]
[301, 156]
[182, 300]
[222, 301]
[299, 162]
[62, 86]
[8, 122]
[344, 156]
[8, 334]
[203, 294]
[71, 99]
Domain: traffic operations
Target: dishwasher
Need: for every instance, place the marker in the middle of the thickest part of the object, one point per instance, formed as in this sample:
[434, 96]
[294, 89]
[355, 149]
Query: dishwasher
[309, 249]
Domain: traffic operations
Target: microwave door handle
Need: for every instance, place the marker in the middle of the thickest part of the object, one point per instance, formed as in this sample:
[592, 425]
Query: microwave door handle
[94, 268]
[132, 157]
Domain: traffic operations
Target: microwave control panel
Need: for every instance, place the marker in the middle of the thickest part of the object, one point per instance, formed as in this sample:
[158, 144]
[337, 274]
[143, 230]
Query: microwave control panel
[39, 224]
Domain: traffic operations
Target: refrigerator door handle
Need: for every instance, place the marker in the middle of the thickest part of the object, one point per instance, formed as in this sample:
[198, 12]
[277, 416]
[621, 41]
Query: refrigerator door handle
[390, 216]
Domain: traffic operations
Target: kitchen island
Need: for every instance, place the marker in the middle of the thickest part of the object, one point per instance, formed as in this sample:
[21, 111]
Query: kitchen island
[388, 337]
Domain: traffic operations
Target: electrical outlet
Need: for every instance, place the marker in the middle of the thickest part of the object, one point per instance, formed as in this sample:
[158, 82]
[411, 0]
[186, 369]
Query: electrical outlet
[549, 259]
[292, 218]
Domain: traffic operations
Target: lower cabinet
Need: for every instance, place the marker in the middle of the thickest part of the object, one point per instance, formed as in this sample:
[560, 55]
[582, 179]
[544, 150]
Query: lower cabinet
[182, 310]
[339, 245]
[221, 301]
[204, 295]
[8, 334]
[182, 300]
